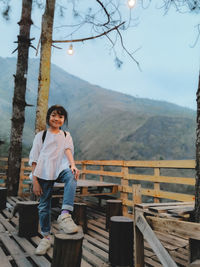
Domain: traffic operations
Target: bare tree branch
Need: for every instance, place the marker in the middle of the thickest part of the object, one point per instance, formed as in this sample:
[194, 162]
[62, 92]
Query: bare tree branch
[107, 14]
[89, 38]
[122, 43]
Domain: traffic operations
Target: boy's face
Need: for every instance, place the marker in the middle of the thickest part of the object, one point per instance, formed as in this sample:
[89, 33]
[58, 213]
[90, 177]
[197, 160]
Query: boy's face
[56, 120]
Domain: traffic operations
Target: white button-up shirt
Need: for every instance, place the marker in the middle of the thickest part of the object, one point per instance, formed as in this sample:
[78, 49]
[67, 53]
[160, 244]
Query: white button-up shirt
[50, 156]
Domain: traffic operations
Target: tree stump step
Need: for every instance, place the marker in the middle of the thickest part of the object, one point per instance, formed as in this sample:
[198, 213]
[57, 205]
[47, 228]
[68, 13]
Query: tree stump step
[67, 249]
[121, 241]
[28, 218]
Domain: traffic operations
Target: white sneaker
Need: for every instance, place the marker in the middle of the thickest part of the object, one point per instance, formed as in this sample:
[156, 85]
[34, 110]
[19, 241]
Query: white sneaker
[43, 246]
[66, 223]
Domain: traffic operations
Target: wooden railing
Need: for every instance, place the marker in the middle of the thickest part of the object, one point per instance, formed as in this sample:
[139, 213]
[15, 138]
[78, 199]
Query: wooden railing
[154, 176]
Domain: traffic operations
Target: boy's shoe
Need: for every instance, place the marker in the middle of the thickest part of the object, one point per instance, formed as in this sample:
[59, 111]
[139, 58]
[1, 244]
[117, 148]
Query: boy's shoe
[43, 246]
[66, 223]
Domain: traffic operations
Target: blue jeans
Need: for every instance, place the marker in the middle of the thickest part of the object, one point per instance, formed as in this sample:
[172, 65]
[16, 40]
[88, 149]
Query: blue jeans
[44, 207]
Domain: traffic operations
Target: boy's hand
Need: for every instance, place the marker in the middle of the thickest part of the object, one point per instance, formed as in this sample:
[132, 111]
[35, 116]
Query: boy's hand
[37, 190]
[75, 171]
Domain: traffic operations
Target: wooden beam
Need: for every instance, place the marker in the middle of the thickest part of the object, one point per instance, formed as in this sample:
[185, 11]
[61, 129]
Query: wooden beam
[195, 263]
[156, 245]
[183, 164]
[182, 228]
[162, 179]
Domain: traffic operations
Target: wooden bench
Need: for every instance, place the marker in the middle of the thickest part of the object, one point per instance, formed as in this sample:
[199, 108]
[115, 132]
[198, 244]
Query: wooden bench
[88, 188]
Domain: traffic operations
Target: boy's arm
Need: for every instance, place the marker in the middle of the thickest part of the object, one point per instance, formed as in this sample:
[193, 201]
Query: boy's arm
[37, 190]
[70, 157]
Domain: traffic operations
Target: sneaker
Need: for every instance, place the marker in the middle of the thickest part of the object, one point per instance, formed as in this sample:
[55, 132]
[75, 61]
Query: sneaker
[43, 246]
[66, 223]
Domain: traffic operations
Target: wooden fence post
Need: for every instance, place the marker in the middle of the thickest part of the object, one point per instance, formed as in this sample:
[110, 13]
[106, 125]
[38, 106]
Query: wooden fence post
[156, 185]
[67, 250]
[83, 168]
[137, 196]
[124, 195]
[101, 177]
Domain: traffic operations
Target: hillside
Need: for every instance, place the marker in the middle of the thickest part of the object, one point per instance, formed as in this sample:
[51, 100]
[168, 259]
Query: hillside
[104, 124]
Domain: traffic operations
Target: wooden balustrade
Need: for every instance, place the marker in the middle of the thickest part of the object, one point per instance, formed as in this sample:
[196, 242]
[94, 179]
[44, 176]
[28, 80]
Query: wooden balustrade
[126, 174]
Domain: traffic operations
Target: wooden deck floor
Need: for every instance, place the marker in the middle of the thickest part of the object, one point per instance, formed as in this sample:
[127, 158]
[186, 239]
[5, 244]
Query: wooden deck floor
[19, 252]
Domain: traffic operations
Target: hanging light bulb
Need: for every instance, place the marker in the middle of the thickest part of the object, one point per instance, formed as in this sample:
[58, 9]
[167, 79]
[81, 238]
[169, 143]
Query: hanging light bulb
[131, 3]
[70, 50]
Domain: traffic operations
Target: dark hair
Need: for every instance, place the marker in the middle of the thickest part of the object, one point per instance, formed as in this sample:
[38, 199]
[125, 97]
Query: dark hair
[60, 110]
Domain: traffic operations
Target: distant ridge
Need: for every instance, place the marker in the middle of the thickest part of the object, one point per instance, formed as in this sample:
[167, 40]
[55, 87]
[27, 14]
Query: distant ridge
[105, 124]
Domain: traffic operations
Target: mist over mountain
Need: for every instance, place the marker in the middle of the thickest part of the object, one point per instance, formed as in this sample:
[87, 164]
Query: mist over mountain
[104, 124]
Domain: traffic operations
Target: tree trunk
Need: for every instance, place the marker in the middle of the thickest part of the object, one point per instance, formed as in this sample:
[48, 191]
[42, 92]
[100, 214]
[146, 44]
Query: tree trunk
[194, 245]
[197, 185]
[45, 65]
[19, 103]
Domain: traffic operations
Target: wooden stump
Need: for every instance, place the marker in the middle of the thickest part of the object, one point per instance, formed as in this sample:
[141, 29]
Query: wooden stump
[67, 250]
[55, 202]
[121, 241]
[113, 208]
[3, 196]
[79, 215]
[194, 250]
[28, 218]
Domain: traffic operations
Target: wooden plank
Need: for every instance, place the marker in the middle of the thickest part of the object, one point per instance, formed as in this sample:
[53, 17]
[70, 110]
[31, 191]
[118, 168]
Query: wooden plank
[147, 205]
[179, 255]
[175, 164]
[30, 249]
[138, 245]
[97, 224]
[96, 242]
[181, 228]
[195, 263]
[137, 197]
[2, 229]
[92, 259]
[166, 242]
[181, 211]
[6, 224]
[98, 237]
[85, 263]
[104, 162]
[4, 261]
[176, 241]
[162, 179]
[15, 251]
[168, 195]
[95, 250]
[156, 245]
[99, 231]
[103, 173]
[152, 262]
[172, 209]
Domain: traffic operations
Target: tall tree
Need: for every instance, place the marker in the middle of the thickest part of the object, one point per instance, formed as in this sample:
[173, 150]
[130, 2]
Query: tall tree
[19, 102]
[183, 6]
[103, 21]
[45, 65]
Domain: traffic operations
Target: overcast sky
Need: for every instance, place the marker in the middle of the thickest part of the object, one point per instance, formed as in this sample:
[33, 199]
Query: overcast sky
[169, 62]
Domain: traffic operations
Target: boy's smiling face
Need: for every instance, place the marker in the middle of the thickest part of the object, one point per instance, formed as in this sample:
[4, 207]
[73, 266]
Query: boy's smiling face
[56, 120]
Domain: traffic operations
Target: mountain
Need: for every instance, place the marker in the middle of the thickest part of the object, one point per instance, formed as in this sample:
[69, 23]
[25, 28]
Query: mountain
[104, 124]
